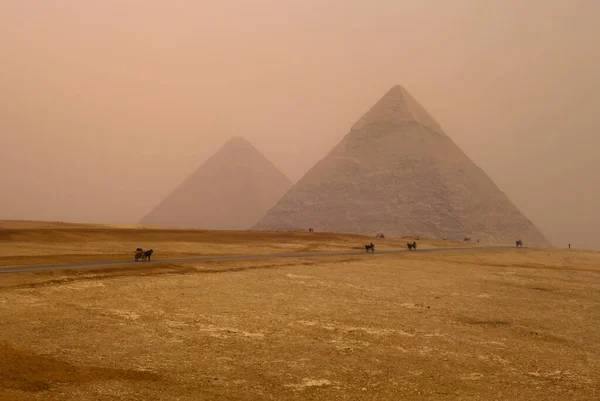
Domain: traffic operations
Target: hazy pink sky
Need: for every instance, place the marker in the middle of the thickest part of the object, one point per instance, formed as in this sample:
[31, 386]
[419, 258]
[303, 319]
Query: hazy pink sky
[105, 106]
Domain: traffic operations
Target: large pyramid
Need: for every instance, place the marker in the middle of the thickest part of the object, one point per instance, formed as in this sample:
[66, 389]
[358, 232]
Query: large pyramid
[397, 172]
[231, 191]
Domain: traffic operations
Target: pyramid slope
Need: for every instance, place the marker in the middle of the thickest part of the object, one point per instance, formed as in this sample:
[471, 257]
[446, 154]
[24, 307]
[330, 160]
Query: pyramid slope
[232, 190]
[397, 172]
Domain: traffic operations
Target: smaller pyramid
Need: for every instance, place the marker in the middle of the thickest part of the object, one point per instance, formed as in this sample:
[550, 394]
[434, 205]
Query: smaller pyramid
[232, 190]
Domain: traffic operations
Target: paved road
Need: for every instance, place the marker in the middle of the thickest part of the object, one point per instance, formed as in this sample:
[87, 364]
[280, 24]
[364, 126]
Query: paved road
[20, 269]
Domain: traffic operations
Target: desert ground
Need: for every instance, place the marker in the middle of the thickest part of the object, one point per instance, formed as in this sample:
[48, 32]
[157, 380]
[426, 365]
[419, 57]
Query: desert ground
[476, 324]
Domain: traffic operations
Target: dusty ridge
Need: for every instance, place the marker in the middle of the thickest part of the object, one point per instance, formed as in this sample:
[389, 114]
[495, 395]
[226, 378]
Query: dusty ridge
[397, 172]
[231, 191]
[307, 255]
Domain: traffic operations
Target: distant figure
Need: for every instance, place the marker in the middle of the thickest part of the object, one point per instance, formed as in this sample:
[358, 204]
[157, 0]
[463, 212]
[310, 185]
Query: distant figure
[380, 235]
[467, 239]
[148, 254]
[519, 243]
[139, 254]
[569, 246]
[478, 240]
[310, 230]
[370, 246]
[412, 246]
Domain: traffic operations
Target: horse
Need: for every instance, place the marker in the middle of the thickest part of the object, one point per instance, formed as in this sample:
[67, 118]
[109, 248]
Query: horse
[412, 245]
[139, 254]
[370, 246]
[467, 239]
[519, 243]
[148, 254]
[380, 235]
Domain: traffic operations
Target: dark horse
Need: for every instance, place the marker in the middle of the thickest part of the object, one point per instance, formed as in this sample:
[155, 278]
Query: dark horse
[412, 246]
[148, 255]
[370, 246]
[519, 243]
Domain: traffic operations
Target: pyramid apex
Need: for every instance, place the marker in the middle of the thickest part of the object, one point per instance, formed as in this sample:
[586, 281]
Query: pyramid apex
[397, 87]
[395, 91]
[239, 139]
[238, 143]
[398, 106]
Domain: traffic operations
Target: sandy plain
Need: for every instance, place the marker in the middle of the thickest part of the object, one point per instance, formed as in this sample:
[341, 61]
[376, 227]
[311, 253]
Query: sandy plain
[505, 324]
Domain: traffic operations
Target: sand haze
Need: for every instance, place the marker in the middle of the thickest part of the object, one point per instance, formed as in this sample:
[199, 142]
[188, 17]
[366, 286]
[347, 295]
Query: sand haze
[106, 107]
